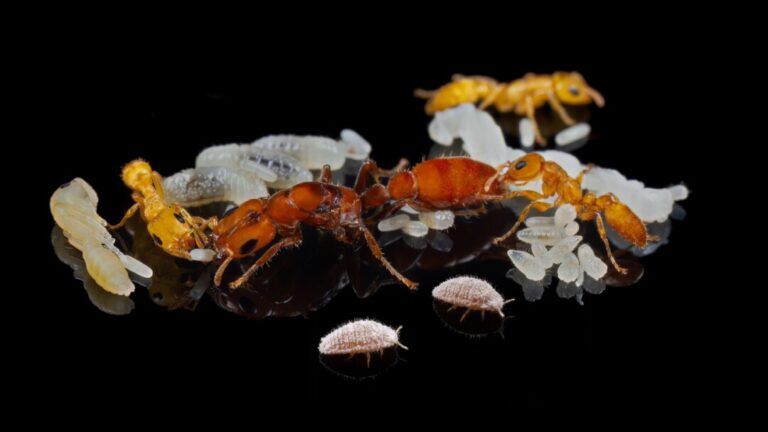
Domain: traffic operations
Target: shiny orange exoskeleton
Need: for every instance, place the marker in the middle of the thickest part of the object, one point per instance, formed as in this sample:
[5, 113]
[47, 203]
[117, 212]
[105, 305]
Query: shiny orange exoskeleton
[170, 225]
[256, 223]
[458, 183]
[522, 96]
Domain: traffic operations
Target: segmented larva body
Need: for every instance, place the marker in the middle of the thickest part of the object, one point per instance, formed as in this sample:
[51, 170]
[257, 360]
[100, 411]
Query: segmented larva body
[311, 151]
[207, 184]
[73, 207]
[359, 337]
[470, 293]
[277, 169]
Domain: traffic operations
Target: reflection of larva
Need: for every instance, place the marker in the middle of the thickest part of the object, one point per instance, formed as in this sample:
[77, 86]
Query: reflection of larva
[73, 206]
[207, 184]
[278, 169]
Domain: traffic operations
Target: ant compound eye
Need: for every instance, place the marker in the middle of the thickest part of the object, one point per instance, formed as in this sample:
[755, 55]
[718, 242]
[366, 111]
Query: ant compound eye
[574, 91]
[520, 165]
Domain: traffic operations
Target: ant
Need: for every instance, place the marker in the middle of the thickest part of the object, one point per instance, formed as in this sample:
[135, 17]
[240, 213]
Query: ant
[256, 223]
[170, 225]
[523, 96]
[458, 183]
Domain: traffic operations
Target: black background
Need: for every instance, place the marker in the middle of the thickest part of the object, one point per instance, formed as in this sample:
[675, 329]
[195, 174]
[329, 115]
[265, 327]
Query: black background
[105, 105]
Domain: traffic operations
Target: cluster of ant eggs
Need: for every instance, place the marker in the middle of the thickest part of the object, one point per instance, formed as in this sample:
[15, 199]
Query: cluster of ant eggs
[438, 220]
[559, 233]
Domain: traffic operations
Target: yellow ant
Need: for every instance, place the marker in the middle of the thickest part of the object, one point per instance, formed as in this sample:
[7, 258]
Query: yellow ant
[556, 182]
[170, 225]
[522, 96]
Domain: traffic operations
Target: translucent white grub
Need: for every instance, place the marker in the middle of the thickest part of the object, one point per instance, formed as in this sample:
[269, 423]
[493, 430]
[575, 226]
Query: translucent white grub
[560, 251]
[410, 210]
[360, 337]
[357, 147]
[527, 264]
[202, 255]
[545, 235]
[207, 184]
[73, 207]
[571, 228]
[286, 170]
[571, 134]
[527, 135]
[569, 269]
[471, 293]
[393, 223]
[482, 138]
[590, 264]
[415, 229]
[311, 151]
[438, 220]
[541, 253]
[277, 169]
[538, 221]
[564, 214]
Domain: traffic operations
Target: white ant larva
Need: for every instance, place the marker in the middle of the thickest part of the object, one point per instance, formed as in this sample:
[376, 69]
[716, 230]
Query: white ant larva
[278, 169]
[204, 185]
[315, 151]
[73, 207]
[360, 337]
[470, 293]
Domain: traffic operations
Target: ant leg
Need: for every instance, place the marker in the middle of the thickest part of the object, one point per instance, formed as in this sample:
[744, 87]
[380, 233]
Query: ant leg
[540, 206]
[584, 172]
[530, 113]
[325, 175]
[157, 183]
[604, 237]
[376, 251]
[125, 218]
[423, 94]
[531, 195]
[190, 221]
[491, 98]
[385, 213]
[294, 240]
[559, 109]
[222, 267]
[372, 170]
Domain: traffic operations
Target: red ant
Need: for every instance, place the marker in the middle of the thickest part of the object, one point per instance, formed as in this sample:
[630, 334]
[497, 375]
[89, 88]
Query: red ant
[256, 223]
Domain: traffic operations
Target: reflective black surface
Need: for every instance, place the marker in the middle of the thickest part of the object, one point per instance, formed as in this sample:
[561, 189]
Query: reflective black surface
[552, 351]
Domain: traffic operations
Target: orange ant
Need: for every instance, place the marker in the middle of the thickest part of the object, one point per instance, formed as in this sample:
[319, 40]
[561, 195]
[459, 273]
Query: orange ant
[253, 225]
[523, 96]
[456, 183]
[170, 225]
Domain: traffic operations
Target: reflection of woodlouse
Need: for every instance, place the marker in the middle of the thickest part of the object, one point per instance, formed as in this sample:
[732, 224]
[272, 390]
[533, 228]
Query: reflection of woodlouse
[73, 206]
[360, 337]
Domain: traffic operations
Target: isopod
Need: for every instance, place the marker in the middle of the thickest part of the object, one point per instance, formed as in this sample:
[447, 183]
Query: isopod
[471, 293]
[207, 184]
[73, 207]
[360, 337]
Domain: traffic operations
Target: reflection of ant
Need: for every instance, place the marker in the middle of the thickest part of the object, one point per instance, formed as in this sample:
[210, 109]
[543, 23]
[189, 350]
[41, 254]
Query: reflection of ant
[253, 225]
[460, 182]
[522, 96]
[170, 226]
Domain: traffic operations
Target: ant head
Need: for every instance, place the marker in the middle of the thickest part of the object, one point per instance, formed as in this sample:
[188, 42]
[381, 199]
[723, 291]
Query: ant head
[520, 170]
[572, 89]
[245, 230]
[136, 173]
